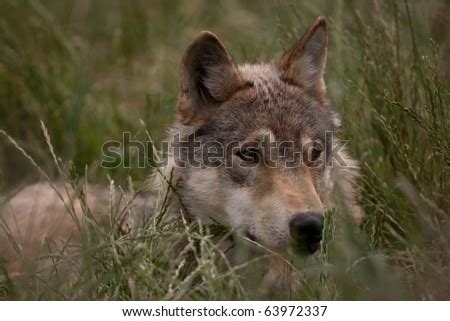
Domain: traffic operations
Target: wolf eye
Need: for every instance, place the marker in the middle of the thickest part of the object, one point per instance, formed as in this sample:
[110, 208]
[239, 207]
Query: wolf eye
[249, 155]
[316, 151]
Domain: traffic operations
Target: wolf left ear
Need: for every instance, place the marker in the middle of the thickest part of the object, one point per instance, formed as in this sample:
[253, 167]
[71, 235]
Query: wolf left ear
[208, 77]
[304, 64]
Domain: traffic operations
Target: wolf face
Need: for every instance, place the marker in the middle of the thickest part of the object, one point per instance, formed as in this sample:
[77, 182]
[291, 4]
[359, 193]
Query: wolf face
[263, 163]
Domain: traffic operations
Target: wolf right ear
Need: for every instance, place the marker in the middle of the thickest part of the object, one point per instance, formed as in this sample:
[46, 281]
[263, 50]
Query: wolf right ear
[208, 76]
[304, 64]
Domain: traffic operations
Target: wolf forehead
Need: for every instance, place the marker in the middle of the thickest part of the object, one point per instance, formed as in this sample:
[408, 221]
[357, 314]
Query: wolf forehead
[272, 104]
[286, 97]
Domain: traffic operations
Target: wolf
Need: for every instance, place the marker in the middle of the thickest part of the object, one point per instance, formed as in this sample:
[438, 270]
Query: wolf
[275, 199]
[285, 100]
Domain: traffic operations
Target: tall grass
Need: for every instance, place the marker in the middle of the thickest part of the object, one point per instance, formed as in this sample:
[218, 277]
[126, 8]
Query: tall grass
[91, 69]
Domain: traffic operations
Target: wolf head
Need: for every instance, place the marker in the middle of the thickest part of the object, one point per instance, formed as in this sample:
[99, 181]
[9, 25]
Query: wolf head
[256, 154]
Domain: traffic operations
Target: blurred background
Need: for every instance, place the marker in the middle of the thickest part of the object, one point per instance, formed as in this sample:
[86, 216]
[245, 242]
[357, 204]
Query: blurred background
[91, 69]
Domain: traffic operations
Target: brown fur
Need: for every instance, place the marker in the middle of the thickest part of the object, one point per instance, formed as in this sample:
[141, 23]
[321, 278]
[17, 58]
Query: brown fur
[38, 220]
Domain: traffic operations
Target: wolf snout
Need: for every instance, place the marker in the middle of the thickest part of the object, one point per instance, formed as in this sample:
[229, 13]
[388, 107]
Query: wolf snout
[306, 229]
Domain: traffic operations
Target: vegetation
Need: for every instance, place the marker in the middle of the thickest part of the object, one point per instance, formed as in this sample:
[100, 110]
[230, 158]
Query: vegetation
[91, 70]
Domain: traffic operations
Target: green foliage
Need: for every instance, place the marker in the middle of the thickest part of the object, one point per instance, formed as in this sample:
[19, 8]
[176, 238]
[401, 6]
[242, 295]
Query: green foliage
[91, 69]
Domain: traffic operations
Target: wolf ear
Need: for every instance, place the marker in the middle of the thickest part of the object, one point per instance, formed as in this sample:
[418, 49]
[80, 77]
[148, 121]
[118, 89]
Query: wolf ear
[208, 75]
[304, 63]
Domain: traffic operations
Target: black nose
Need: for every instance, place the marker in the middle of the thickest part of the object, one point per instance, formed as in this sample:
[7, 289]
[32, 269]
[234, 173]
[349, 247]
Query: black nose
[306, 229]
